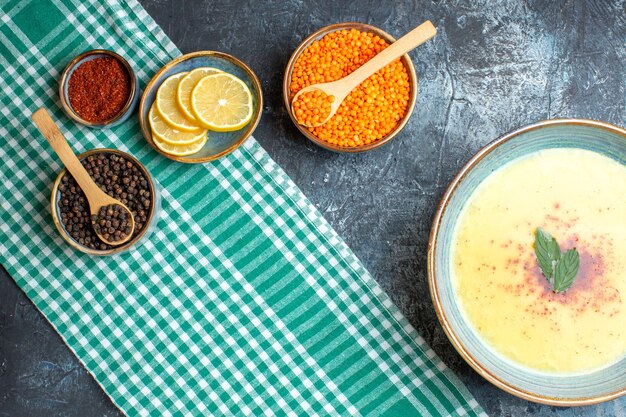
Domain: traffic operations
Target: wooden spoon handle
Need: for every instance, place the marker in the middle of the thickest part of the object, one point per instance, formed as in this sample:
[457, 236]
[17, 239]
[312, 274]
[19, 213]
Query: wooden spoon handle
[51, 132]
[411, 40]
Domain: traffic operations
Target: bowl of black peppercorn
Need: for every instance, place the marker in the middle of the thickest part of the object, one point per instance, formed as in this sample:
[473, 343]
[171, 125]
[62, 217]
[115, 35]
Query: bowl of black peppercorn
[122, 177]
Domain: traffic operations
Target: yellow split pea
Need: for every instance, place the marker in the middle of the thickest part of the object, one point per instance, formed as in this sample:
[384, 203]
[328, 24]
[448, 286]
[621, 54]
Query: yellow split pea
[312, 107]
[370, 111]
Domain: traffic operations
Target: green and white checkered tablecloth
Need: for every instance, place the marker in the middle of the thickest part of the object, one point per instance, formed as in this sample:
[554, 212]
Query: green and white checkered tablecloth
[243, 302]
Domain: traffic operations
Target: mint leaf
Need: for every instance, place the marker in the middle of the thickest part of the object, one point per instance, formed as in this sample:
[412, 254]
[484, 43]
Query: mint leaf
[547, 252]
[559, 270]
[566, 270]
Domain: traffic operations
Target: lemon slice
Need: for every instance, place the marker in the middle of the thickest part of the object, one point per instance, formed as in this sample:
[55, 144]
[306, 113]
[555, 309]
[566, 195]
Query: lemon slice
[179, 150]
[222, 102]
[167, 133]
[186, 85]
[168, 107]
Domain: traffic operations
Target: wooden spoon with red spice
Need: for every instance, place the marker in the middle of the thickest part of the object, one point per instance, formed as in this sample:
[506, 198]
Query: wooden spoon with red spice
[97, 198]
[329, 96]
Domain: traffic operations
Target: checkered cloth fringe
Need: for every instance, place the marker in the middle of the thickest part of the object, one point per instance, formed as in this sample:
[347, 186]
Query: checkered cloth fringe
[244, 301]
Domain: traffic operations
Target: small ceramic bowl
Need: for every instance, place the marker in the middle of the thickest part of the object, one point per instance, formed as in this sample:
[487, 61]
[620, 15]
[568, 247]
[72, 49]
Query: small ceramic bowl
[219, 143]
[287, 96]
[554, 389]
[141, 236]
[123, 114]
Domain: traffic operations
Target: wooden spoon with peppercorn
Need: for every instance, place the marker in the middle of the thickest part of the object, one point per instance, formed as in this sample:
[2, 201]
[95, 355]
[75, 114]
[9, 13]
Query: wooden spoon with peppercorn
[112, 221]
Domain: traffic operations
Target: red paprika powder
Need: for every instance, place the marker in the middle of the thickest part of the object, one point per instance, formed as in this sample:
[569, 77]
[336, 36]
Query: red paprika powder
[99, 89]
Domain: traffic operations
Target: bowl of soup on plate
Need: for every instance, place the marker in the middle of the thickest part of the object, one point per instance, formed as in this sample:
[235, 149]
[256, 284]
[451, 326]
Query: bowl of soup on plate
[527, 262]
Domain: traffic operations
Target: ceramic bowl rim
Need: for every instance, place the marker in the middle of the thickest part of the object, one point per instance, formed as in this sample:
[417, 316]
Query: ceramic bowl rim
[432, 274]
[65, 78]
[250, 127]
[54, 209]
[406, 60]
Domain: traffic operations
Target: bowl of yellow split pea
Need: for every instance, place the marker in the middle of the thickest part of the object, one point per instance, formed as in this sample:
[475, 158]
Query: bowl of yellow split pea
[376, 111]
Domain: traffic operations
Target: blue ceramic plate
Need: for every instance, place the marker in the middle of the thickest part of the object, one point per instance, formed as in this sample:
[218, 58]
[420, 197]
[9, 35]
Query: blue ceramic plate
[219, 143]
[565, 390]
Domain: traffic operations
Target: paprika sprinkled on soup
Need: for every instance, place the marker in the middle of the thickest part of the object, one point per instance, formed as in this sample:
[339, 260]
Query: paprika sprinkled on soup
[99, 89]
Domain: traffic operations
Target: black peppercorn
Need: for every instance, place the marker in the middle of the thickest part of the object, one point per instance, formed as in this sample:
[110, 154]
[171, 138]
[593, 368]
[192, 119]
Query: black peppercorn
[112, 174]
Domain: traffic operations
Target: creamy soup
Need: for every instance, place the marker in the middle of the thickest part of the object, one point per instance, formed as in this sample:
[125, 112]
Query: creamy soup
[579, 197]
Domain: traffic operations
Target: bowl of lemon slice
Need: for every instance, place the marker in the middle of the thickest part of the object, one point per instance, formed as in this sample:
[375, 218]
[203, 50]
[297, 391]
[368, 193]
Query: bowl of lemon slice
[200, 107]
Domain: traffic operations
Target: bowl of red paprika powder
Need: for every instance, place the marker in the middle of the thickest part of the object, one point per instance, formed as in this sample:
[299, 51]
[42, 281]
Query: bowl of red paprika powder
[98, 89]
